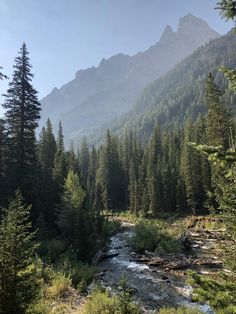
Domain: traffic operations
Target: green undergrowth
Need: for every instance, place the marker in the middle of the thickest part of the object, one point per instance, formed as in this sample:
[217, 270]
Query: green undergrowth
[156, 236]
[81, 274]
[103, 302]
[219, 292]
[61, 284]
[100, 302]
[125, 216]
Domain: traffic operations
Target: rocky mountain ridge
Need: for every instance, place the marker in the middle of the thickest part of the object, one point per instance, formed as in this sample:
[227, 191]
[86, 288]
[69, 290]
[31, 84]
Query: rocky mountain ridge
[100, 94]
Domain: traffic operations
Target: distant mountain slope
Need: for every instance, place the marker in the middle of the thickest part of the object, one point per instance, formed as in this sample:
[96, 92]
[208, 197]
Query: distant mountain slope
[97, 95]
[179, 94]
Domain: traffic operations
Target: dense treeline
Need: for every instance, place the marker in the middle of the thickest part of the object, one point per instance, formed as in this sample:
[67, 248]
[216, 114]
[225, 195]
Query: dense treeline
[69, 189]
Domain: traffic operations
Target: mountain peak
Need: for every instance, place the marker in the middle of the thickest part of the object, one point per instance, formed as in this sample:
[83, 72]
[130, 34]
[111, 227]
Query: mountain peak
[168, 32]
[190, 23]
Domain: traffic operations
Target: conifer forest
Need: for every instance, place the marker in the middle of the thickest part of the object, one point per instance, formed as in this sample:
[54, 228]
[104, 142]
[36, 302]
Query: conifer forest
[138, 216]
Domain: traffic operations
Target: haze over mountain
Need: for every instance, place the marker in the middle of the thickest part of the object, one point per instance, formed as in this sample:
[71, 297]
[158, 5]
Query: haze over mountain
[99, 94]
[170, 100]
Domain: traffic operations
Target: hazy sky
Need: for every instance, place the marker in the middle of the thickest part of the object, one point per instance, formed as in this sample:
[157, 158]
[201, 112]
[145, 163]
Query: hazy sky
[64, 36]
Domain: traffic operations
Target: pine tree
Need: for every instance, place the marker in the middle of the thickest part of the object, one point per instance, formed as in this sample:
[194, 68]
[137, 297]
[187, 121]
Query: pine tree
[60, 138]
[126, 153]
[60, 166]
[110, 174]
[144, 186]
[46, 152]
[47, 148]
[91, 180]
[218, 122]
[84, 161]
[22, 115]
[206, 173]
[191, 170]
[135, 183]
[72, 160]
[19, 281]
[154, 174]
[3, 163]
[73, 220]
[218, 118]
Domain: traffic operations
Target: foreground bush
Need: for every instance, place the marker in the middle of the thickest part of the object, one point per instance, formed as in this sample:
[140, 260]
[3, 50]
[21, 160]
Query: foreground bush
[59, 286]
[41, 306]
[46, 307]
[101, 303]
[155, 236]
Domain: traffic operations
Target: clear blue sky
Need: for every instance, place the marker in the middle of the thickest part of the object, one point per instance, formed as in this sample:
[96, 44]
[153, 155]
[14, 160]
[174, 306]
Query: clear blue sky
[64, 36]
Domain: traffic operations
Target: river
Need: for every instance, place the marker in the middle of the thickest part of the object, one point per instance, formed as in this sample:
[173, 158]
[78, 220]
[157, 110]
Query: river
[153, 288]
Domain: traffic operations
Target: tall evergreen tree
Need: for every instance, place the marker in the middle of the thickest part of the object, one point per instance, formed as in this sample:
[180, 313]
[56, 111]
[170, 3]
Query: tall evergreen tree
[18, 276]
[144, 185]
[46, 152]
[72, 160]
[205, 167]
[218, 118]
[60, 166]
[110, 174]
[154, 175]
[91, 180]
[3, 162]
[191, 170]
[22, 115]
[60, 138]
[218, 124]
[84, 161]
